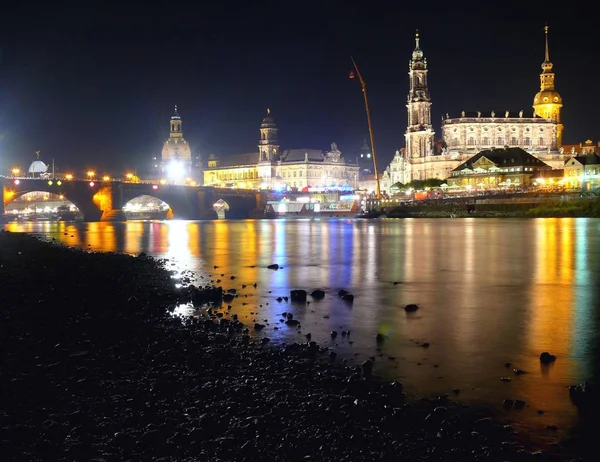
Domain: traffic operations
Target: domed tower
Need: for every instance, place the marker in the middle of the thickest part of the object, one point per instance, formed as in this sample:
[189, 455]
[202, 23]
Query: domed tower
[176, 159]
[547, 102]
[268, 146]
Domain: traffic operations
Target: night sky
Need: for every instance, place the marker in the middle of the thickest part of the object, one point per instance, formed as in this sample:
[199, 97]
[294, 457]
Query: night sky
[94, 86]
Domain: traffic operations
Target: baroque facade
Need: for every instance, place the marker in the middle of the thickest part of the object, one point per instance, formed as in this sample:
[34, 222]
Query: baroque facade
[272, 168]
[466, 135]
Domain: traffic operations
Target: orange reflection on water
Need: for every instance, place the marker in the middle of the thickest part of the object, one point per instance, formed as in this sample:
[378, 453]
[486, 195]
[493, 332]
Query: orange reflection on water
[551, 312]
[134, 233]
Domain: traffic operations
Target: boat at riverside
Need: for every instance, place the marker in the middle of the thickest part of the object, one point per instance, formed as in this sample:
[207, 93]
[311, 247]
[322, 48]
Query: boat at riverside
[314, 205]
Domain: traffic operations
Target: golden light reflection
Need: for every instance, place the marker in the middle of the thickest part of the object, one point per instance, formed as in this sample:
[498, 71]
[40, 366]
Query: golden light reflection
[133, 237]
[101, 237]
[551, 310]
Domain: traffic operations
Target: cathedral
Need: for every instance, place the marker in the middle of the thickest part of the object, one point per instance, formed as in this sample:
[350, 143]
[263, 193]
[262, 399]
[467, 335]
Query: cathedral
[471, 132]
[272, 168]
[176, 161]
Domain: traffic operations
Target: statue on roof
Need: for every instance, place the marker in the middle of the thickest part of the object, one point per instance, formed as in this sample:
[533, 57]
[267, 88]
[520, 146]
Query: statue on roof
[334, 147]
[462, 114]
[521, 113]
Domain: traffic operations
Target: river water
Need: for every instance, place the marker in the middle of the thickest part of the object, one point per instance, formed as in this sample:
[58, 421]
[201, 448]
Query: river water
[489, 291]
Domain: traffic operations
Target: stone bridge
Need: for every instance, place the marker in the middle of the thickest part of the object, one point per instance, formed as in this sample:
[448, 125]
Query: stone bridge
[103, 201]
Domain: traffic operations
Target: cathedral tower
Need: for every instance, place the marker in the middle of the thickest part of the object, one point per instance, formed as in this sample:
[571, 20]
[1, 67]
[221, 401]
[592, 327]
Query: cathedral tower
[176, 158]
[176, 125]
[419, 133]
[547, 102]
[268, 147]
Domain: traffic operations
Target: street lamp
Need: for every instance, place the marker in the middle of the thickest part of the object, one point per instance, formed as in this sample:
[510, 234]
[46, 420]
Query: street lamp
[68, 176]
[91, 174]
[16, 171]
[364, 90]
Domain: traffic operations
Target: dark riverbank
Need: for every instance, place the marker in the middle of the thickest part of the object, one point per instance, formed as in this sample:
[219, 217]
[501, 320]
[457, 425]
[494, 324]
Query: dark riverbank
[584, 207]
[95, 368]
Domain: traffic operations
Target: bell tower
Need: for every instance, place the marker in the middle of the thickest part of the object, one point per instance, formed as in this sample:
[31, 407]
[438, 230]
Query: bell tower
[268, 146]
[419, 133]
[548, 102]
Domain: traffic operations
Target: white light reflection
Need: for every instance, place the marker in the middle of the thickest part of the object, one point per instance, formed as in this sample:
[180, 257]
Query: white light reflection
[179, 246]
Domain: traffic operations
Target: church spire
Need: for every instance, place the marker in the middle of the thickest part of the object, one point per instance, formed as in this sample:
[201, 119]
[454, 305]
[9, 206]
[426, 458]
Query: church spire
[417, 54]
[547, 65]
[547, 103]
[419, 133]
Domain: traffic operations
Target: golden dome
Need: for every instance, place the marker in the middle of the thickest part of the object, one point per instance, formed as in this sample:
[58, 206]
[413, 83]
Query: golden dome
[547, 97]
[176, 148]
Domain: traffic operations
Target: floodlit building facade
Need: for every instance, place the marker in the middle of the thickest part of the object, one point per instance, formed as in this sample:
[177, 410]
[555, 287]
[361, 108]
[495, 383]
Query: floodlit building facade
[539, 132]
[276, 169]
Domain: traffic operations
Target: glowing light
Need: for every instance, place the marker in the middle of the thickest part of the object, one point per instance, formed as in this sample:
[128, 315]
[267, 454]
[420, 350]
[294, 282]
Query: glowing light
[129, 176]
[61, 197]
[17, 181]
[16, 171]
[163, 182]
[91, 174]
[175, 169]
[105, 178]
[59, 182]
[68, 176]
[92, 184]
[155, 187]
[50, 182]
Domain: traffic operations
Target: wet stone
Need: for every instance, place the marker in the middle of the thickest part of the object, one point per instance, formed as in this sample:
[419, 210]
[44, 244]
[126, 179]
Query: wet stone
[112, 375]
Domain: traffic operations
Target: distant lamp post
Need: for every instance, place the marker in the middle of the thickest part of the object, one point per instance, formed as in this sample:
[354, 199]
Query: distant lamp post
[91, 174]
[105, 178]
[68, 176]
[16, 171]
[129, 176]
[364, 90]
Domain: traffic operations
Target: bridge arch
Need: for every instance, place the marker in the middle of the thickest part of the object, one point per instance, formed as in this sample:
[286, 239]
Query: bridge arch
[233, 204]
[147, 206]
[72, 192]
[40, 203]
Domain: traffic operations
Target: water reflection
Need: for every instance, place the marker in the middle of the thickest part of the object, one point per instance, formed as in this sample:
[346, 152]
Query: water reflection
[490, 291]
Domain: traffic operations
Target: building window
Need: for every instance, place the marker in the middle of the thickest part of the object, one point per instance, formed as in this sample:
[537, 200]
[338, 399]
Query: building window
[471, 141]
[500, 141]
[514, 141]
[486, 141]
[527, 141]
[541, 141]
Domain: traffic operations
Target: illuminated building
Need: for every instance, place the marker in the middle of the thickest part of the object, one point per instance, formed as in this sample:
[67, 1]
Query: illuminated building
[583, 172]
[471, 132]
[272, 168]
[176, 163]
[495, 168]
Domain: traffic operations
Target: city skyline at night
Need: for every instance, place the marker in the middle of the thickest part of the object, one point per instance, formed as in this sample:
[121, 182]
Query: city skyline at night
[96, 88]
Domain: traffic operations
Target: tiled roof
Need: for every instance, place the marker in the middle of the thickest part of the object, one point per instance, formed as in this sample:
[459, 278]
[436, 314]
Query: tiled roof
[589, 159]
[516, 157]
[297, 155]
[249, 158]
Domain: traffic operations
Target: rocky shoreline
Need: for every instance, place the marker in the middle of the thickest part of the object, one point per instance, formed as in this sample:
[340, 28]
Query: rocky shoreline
[96, 368]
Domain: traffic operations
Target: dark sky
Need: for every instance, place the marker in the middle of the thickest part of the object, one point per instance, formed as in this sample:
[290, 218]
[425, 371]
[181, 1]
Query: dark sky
[93, 84]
